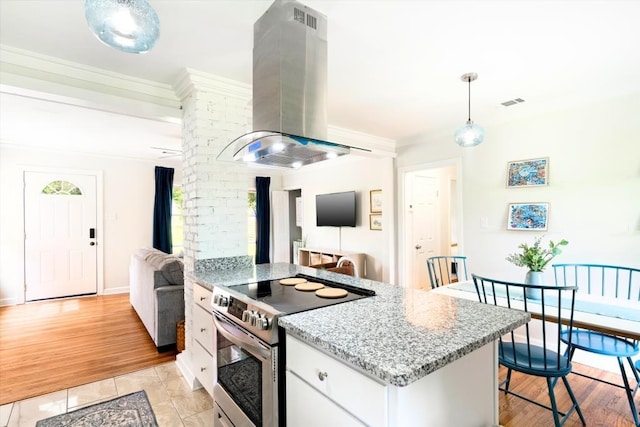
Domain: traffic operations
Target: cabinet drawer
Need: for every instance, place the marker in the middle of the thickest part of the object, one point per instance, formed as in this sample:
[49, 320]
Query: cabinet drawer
[307, 407]
[202, 297]
[355, 391]
[203, 328]
[203, 367]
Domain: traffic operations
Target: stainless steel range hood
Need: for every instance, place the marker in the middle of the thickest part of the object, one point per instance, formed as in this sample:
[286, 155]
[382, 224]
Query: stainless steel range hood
[289, 91]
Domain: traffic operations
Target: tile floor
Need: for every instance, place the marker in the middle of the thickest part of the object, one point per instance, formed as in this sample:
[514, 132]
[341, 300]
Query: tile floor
[173, 402]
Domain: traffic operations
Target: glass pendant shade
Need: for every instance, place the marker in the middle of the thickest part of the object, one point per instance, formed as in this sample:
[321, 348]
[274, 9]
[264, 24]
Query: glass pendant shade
[469, 135]
[127, 25]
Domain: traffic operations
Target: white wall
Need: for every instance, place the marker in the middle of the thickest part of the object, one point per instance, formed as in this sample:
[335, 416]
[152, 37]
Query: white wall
[593, 195]
[129, 187]
[361, 174]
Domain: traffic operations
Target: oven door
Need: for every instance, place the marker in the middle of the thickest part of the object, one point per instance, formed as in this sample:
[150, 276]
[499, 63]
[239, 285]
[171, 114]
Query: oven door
[247, 388]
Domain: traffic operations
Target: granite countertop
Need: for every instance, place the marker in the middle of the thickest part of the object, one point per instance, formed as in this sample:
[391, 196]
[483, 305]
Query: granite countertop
[399, 336]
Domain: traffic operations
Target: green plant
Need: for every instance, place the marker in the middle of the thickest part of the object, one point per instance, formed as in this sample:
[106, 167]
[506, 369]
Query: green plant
[535, 257]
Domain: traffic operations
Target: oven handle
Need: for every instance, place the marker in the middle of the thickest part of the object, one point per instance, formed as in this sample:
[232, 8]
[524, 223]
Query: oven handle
[238, 337]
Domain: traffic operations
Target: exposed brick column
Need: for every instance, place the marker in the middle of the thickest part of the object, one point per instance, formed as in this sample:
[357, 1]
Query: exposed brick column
[215, 112]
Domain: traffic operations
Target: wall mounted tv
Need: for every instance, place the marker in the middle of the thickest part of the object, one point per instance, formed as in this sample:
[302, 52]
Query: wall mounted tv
[336, 209]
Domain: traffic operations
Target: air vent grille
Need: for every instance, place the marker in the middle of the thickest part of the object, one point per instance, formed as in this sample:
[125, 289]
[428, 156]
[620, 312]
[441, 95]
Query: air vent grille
[512, 102]
[301, 16]
[311, 21]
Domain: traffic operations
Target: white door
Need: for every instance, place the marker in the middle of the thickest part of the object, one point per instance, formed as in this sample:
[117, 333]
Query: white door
[60, 235]
[424, 226]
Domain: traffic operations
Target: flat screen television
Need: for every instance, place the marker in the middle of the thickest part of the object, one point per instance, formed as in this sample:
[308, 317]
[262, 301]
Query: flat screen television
[336, 209]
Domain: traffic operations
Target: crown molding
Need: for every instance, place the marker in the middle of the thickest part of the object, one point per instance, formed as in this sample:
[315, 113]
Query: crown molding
[40, 72]
[375, 145]
[190, 80]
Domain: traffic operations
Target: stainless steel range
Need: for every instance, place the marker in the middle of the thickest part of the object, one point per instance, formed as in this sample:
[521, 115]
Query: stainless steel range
[250, 364]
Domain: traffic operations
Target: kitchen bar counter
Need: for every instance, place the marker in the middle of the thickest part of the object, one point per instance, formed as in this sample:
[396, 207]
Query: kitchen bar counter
[398, 336]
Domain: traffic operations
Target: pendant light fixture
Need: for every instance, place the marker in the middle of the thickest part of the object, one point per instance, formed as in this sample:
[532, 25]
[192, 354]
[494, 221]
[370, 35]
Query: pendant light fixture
[470, 134]
[127, 25]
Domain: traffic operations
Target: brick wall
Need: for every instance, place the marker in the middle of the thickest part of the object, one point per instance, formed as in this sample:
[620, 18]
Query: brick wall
[215, 112]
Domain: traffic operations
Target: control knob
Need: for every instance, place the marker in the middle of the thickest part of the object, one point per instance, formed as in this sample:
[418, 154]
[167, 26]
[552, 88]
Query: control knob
[254, 317]
[221, 300]
[263, 323]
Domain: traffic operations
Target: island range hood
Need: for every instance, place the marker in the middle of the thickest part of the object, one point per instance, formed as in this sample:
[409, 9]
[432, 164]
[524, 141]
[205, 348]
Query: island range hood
[289, 91]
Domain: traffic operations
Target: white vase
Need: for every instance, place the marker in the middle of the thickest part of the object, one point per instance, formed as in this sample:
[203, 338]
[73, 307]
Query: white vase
[533, 278]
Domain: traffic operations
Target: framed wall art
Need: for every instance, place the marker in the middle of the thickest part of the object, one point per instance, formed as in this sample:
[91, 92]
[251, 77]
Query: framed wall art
[375, 221]
[528, 216]
[375, 201]
[528, 173]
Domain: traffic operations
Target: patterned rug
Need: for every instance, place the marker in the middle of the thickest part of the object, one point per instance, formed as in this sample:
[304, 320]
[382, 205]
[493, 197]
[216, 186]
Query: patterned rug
[130, 410]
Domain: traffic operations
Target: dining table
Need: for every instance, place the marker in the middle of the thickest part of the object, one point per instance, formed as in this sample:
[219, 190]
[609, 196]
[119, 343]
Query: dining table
[613, 316]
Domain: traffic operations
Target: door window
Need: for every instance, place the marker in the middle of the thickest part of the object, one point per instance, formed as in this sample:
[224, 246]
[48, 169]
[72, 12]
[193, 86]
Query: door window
[64, 188]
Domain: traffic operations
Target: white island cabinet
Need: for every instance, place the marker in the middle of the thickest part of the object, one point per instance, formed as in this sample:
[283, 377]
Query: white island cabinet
[324, 391]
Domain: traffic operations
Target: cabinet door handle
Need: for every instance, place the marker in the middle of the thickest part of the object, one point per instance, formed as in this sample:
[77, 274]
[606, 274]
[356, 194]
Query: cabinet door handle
[203, 298]
[203, 329]
[203, 369]
[322, 376]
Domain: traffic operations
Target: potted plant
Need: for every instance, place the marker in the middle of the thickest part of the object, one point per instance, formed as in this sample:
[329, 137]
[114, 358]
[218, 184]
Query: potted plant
[536, 258]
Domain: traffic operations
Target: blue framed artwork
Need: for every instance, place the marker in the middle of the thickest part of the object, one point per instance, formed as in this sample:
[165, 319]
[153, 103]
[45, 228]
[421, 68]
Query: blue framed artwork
[528, 216]
[528, 173]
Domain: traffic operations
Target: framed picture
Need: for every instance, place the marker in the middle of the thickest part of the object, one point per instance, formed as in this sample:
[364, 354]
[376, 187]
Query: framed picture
[375, 221]
[375, 201]
[528, 173]
[528, 216]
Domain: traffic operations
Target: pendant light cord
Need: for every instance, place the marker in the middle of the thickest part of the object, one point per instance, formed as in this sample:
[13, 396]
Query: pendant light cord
[469, 80]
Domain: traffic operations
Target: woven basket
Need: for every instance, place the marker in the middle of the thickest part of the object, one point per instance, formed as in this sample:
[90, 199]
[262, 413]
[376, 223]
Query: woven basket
[180, 336]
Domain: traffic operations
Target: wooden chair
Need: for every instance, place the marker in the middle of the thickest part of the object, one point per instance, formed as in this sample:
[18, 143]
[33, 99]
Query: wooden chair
[530, 354]
[444, 270]
[606, 282]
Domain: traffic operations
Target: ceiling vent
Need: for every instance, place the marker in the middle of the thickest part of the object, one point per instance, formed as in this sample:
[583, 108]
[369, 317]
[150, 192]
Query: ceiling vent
[511, 102]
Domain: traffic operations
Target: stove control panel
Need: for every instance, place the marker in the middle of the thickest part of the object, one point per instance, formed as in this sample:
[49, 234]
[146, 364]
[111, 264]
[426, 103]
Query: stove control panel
[249, 315]
[257, 319]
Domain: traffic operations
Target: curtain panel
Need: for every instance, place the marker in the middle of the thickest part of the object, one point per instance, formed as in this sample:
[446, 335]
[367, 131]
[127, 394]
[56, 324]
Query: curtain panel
[162, 210]
[263, 219]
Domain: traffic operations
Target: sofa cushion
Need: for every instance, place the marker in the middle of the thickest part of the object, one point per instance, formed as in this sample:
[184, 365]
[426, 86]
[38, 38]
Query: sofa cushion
[172, 269]
[170, 266]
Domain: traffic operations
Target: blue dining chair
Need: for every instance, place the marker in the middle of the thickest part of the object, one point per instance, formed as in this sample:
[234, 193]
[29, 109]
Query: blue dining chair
[610, 282]
[444, 270]
[538, 354]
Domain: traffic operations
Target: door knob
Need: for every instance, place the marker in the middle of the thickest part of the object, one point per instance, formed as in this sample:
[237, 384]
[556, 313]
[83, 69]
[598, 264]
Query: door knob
[418, 246]
[92, 243]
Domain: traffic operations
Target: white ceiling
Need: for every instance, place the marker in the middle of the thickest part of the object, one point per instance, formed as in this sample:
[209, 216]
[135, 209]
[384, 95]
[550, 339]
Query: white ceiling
[394, 66]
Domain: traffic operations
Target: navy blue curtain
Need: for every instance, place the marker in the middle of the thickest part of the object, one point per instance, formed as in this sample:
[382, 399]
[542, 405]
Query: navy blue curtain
[162, 209]
[263, 215]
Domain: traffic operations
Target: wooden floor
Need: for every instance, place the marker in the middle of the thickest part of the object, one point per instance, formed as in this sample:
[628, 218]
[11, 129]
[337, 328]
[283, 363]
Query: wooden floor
[49, 346]
[601, 404]
[53, 345]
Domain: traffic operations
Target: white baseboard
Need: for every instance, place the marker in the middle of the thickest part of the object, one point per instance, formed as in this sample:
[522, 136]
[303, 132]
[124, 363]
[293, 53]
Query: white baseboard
[118, 290]
[183, 361]
[8, 301]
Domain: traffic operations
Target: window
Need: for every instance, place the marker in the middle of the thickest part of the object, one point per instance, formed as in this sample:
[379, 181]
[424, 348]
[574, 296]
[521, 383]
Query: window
[177, 222]
[61, 188]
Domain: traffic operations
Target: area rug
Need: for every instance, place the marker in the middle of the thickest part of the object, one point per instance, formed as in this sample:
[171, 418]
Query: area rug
[130, 410]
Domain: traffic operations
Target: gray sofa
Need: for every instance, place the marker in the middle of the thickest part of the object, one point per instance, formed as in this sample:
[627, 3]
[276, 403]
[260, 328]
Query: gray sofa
[156, 292]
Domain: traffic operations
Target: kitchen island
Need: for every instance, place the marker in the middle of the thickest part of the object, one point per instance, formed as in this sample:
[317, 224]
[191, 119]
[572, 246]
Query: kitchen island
[425, 358]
